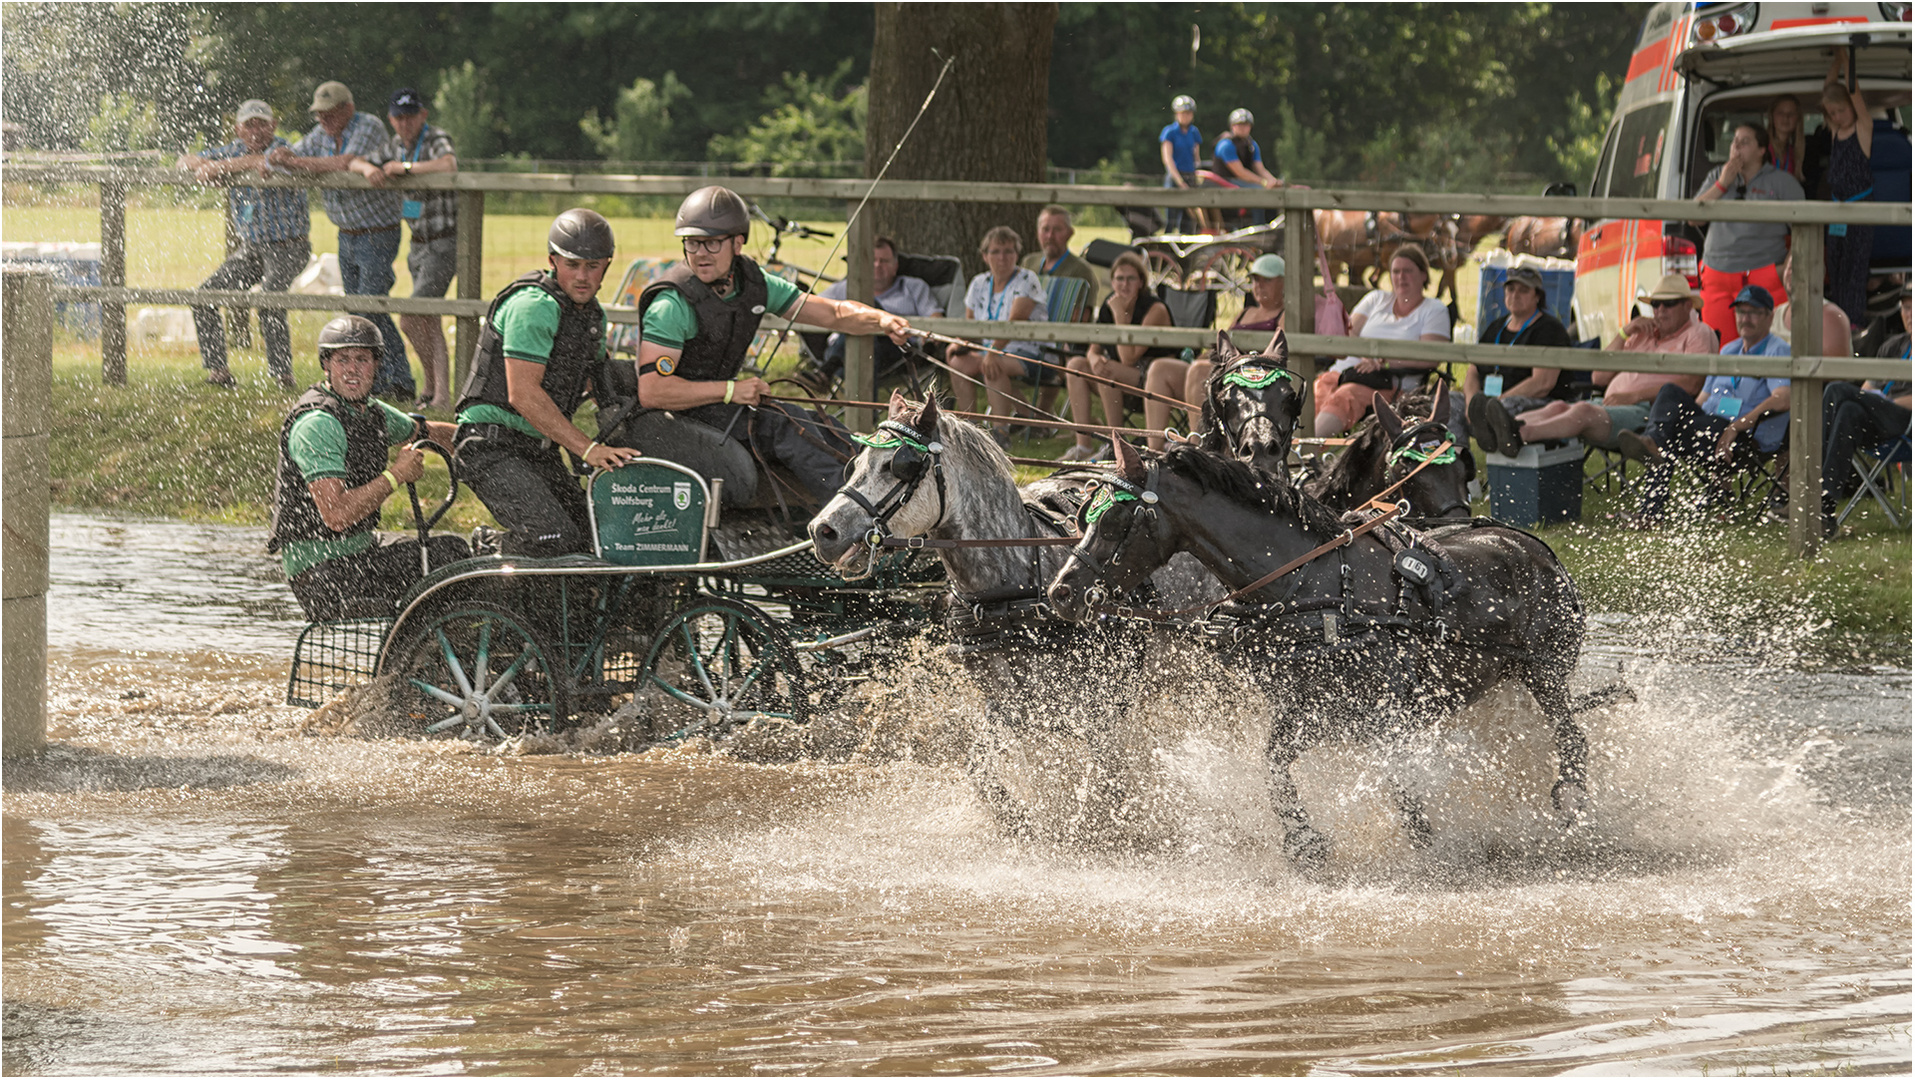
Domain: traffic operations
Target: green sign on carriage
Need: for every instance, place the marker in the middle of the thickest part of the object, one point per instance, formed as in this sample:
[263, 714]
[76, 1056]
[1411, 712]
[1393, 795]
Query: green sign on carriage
[649, 513]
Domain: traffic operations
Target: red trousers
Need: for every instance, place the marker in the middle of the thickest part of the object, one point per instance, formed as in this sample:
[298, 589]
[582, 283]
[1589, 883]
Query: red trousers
[1718, 295]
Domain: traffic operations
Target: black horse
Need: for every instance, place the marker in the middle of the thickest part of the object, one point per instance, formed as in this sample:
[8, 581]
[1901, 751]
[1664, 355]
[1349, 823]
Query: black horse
[1251, 404]
[1390, 447]
[1369, 639]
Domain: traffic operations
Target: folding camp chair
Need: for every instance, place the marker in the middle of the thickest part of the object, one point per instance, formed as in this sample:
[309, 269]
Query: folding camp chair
[1882, 471]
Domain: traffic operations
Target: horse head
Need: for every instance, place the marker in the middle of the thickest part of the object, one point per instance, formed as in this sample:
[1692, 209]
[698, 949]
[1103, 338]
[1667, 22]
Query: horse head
[1425, 457]
[896, 488]
[1124, 539]
[1251, 404]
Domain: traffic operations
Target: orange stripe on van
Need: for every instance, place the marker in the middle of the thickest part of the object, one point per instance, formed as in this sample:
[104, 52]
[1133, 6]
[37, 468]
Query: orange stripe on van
[1784, 24]
[1678, 31]
[1651, 58]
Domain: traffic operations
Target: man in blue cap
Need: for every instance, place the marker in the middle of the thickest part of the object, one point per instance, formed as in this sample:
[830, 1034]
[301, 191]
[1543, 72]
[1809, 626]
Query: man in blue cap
[418, 148]
[1724, 426]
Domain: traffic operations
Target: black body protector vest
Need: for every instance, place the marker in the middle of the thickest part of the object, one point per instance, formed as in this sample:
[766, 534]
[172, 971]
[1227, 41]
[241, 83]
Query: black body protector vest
[1246, 156]
[568, 371]
[295, 516]
[725, 327]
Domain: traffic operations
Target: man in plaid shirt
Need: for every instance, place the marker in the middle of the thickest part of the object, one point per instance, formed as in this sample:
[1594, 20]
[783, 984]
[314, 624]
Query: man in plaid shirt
[272, 225]
[346, 140]
[418, 147]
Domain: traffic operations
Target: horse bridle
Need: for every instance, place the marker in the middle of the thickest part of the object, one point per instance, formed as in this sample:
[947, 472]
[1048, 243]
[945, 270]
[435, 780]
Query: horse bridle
[1108, 493]
[917, 455]
[1252, 374]
[1439, 450]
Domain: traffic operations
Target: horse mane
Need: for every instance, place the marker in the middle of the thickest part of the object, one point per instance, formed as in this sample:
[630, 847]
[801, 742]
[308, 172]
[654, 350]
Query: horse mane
[969, 442]
[1243, 483]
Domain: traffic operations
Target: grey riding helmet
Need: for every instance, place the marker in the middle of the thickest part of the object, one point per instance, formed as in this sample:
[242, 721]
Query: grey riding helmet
[1242, 116]
[1183, 103]
[713, 211]
[351, 332]
[580, 234]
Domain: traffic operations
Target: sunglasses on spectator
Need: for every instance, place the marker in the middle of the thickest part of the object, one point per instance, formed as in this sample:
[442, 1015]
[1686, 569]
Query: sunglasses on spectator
[711, 246]
[1666, 303]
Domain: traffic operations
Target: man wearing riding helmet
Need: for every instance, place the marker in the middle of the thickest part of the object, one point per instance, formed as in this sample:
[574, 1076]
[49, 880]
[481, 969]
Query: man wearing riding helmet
[1236, 156]
[695, 328]
[541, 353]
[333, 478]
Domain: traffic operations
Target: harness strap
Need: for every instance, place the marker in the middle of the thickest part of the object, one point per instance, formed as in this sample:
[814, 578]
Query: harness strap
[1127, 388]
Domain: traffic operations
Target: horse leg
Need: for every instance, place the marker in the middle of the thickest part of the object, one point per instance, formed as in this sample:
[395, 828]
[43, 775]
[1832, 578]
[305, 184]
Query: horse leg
[1302, 843]
[1570, 793]
[1414, 819]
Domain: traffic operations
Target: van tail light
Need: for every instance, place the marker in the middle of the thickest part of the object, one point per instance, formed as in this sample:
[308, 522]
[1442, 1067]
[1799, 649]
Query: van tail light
[1727, 23]
[1679, 257]
[1893, 11]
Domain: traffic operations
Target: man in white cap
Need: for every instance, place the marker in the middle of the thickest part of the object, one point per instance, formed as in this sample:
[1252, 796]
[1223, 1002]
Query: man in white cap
[347, 140]
[272, 226]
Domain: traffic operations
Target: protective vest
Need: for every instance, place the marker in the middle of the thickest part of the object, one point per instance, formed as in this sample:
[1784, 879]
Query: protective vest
[575, 350]
[295, 515]
[725, 327]
[1246, 156]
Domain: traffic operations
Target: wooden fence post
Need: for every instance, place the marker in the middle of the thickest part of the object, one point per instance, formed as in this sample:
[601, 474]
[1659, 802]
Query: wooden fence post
[113, 273]
[1805, 395]
[860, 380]
[469, 265]
[1300, 301]
[26, 388]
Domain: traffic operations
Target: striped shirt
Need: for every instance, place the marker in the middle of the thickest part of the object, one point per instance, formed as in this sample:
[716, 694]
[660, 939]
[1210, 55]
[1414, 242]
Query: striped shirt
[439, 217]
[263, 215]
[366, 137]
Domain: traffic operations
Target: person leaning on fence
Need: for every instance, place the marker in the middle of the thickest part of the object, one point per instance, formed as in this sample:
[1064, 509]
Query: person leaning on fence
[1721, 427]
[272, 225]
[1739, 253]
[419, 148]
[899, 294]
[1129, 304]
[1399, 313]
[346, 140]
[696, 325]
[1177, 145]
[1672, 328]
[541, 353]
[1859, 418]
[333, 477]
[1005, 291]
[1513, 388]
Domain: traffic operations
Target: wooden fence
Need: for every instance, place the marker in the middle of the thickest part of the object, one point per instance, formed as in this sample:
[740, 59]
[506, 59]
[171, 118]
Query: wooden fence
[1807, 369]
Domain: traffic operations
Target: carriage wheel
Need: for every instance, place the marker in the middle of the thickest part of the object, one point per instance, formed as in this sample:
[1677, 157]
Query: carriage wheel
[1164, 269]
[1223, 266]
[718, 664]
[481, 672]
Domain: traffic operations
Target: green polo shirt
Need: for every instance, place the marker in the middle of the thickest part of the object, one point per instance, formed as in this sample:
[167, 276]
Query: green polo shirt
[528, 322]
[317, 446]
[671, 321]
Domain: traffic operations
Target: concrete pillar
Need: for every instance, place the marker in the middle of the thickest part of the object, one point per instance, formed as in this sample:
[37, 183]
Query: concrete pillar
[26, 422]
[860, 380]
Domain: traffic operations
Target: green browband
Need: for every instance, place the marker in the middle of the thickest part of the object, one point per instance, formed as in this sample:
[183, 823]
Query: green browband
[1420, 455]
[890, 442]
[1255, 377]
[1106, 497]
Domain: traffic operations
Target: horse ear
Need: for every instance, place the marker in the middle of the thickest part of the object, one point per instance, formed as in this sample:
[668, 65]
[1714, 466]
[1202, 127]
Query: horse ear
[1279, 347]
[1441, 413]
[928, 416]
[1129, 464]
[898, 404]
[1226, 350]
[1386, 416]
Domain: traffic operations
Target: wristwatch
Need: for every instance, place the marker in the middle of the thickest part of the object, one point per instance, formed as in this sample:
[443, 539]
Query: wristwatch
[407, 167]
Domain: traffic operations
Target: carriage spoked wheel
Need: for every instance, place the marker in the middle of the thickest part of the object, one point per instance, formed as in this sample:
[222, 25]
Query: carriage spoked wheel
[482, 672]
[1164, 269]
[717, 665]
[1223, 266]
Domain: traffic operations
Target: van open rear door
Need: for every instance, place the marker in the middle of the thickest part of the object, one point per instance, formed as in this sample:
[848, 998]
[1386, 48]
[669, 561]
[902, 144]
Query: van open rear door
[1780, 55]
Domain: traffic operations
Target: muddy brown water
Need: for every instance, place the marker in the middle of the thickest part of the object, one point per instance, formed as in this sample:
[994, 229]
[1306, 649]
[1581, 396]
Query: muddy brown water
[193, 886]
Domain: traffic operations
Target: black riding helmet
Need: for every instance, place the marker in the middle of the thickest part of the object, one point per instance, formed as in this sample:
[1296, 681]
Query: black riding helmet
[351, 332]
[713, 211]
[580, 234]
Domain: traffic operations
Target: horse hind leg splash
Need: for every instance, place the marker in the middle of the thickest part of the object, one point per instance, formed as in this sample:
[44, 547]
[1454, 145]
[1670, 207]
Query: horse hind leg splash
[1305, 847]
[1570, 793]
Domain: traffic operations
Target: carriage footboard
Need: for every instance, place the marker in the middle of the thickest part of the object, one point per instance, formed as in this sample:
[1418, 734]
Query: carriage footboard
[333, 657]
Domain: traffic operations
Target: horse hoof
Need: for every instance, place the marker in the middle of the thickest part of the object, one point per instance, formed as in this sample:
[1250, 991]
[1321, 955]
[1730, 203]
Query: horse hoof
[1306, 848]
[1572, 803]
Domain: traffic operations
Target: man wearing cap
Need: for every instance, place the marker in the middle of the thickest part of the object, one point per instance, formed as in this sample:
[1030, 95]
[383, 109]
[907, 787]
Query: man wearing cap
[419, 148]
[1177, 144]
[333, 477]
[1514, 388]
[272, 225]
[346, 140]
[696, 325]
[542, 352]
[1732, 417]
[1672, 328]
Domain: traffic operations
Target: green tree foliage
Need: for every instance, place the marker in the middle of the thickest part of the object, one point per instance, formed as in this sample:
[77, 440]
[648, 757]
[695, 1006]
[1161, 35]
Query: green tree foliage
[641, 126]
[809, 121]
[123, 123]
[60, 62]
[463, 107]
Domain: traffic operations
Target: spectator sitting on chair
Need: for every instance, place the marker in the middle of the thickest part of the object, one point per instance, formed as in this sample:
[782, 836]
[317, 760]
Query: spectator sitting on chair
[1860, 417]
[1184, 379]
[1733, 416]
[272, 225]
[346, 140]
[1006, 291]
[1516, 389]
[1399, 313]
[1177, 144]
[1053, 256]
[899, 294]
[1673, 328]
[1129, 304]
[1838, 337]
[418, 147]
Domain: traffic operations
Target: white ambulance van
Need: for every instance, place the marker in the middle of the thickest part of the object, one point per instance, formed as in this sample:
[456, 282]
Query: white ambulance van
[1698, 71]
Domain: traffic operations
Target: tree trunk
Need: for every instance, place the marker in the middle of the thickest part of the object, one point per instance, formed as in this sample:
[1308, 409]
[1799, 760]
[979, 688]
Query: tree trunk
[986, 122]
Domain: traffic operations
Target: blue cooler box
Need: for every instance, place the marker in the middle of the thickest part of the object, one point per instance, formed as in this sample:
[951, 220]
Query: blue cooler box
[1537, 485]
